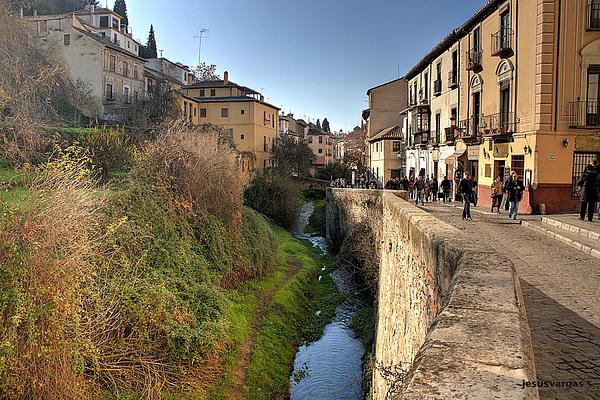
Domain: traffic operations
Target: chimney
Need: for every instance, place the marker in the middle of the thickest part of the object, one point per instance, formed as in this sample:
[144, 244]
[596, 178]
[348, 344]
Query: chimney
[225, 78]
[190, 78]
[35, 12]
[92, 8]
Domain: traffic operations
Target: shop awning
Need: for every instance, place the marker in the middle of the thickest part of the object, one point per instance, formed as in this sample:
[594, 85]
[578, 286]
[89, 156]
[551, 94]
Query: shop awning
[452, 157]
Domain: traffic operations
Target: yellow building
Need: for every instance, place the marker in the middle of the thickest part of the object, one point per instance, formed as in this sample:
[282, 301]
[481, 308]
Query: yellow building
[386, 155]
[253, 122]
[321, 144]
[525, 98]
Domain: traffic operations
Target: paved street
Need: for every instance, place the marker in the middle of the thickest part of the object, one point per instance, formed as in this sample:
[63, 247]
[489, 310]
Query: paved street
[561, 288]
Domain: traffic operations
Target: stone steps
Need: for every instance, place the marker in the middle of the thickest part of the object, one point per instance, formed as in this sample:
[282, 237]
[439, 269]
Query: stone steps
[572, 234]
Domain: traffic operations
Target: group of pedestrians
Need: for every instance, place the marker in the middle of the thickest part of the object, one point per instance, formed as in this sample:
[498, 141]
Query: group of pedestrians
[504, 194]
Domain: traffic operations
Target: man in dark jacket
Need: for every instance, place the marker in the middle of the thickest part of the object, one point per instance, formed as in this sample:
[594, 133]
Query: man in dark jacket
[446, 188]
[514, 188]
[588, 189]
[433, 185]
[465, 188]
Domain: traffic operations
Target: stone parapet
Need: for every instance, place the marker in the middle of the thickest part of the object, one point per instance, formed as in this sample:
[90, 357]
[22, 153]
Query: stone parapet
[451, 321]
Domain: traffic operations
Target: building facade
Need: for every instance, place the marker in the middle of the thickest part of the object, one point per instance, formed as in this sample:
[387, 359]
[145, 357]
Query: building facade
[289, 127]
[384, 124]
[100, 54]
[321, 144]
[253, 122]
[521, 94]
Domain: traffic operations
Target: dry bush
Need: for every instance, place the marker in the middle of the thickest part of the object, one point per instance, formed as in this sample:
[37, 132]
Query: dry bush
[199, 169]
[27, 83]
[358, 254]
[45, 260]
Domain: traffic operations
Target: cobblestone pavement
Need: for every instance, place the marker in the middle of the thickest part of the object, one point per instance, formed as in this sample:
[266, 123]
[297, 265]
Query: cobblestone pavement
[561, 289]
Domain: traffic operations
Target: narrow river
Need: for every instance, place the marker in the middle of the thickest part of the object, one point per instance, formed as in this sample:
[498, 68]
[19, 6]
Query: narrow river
[331, 367]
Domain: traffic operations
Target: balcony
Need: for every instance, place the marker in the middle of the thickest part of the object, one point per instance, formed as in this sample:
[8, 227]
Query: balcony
[437, 87]
[584, 114]
[468, 128]
[452, 79]
[474, 60]
[421, 139]
[593, 15]
[502, 123]
[449, 133]
[502, 43]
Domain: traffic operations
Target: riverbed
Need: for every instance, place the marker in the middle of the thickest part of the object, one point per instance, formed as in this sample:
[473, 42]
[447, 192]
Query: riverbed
[331, 367]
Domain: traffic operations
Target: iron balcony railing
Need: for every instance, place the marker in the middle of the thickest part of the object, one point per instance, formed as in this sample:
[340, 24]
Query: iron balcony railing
[584, 113]
[474, 59]
[501, 123]
[449, 134]
[437, 86]
[502, 42]
[468, 128]
[593, 16]
[421, 138]
[452, 78]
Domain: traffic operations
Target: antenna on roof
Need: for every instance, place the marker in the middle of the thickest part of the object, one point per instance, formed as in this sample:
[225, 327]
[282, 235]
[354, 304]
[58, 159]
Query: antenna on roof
[161, 51]
[200, 37]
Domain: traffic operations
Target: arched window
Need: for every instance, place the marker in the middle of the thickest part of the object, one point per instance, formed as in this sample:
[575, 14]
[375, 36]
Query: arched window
[505, 119]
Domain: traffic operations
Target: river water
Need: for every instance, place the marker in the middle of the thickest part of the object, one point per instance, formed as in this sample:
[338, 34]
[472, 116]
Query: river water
[331, 367]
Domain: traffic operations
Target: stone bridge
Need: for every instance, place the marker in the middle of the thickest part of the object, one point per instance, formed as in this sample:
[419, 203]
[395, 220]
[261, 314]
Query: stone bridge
[451, 321]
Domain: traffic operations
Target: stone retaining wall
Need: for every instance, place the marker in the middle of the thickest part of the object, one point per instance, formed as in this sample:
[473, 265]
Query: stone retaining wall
[451, 320]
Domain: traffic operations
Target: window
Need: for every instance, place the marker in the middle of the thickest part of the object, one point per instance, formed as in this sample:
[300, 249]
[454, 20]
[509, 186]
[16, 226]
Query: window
[128, 44]
[115, 23]
[592, 93]
[504, 106]
[224, 112]
[104, 22]
[201, 92]
[67, 39]
[135, 72]
[488, 170]
[518, 165]
[112, 63]
[264, 143]
[109, 91]
[242, 136]
[195, 112]
[320, 151]
[396, 146]
[242, 111]
[213, 92]
[477, 39]
[136, 95]
[593, 16]
[453, 116]
[505, 30]
[320, 139]
[203, 113]
[438, 122]
[454, 72]
[272, 121]
[310, 140]
[126, 95]
[425, 86]
[125, 68]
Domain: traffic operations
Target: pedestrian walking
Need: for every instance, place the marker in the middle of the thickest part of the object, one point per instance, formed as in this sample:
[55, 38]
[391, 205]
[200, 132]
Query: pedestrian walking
[446, 188]
[427, 190]
[474, 195]
[465, 188]
[496, 190]
[420, 190]
[514, 188]
[588, 190]
[434, 188]
[411, 187]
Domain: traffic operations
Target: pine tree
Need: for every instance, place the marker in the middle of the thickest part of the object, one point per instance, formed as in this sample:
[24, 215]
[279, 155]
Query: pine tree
[151, 51]
[121, 8]
[326, 127]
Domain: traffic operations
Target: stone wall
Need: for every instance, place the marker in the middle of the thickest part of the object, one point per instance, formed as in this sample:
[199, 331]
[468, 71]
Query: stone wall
[451, 321]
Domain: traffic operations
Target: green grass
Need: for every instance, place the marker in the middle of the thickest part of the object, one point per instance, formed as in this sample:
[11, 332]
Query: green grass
[13, 186]
[316, 222]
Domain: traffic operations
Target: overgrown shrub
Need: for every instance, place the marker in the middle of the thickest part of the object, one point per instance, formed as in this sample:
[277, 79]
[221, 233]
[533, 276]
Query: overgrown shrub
[198, 169]
[359, 255]
[110, 148]
[275, 196]
[334, 171]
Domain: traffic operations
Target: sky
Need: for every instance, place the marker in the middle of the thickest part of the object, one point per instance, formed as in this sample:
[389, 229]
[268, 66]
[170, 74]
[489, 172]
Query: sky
[315, 58]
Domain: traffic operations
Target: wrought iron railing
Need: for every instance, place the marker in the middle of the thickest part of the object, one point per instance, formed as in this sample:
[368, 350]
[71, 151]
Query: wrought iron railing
[474, 59]
[468, 127]
[421, 138]
[498, 124]
[584, 113]
[502, 41]
[452, 78]
[437, 86]
[449, 134]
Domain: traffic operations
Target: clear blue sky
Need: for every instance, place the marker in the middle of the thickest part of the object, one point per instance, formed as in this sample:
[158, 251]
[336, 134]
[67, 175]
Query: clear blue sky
[315, 57]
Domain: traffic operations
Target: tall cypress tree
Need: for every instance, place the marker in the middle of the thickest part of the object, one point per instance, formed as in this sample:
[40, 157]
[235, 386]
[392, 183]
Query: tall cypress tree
[151, 44]
[121, 8]
[326, 127]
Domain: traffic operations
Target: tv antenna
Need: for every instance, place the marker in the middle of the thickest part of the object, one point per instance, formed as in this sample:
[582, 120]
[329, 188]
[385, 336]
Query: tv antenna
[161, 51]
[200, 37]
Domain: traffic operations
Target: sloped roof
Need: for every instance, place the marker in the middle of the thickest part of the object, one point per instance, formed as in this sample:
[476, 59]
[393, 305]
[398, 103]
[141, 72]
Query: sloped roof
[383, 84]
[220, 83]
[108, 43]
[392, 132]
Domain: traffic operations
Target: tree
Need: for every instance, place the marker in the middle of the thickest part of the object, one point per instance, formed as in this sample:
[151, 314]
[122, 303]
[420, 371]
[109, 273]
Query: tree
[150, 49]
[318, 123]
[205, 72]
[326, 127]
[292, 157]
[47, 7]
[121, 8]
